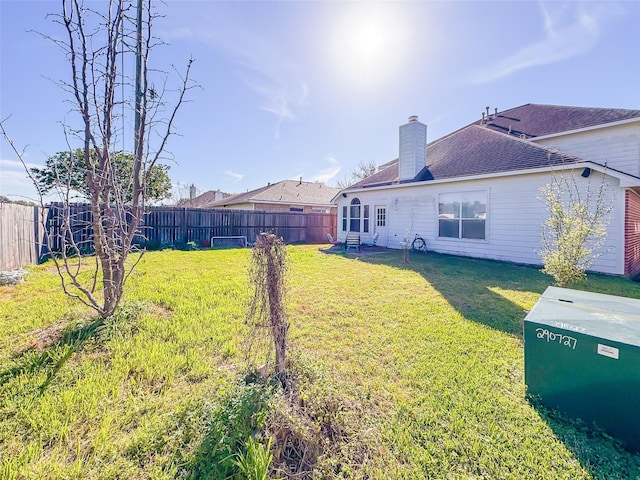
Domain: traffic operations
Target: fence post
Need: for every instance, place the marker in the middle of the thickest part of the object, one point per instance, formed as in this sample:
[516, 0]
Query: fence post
[37, 247]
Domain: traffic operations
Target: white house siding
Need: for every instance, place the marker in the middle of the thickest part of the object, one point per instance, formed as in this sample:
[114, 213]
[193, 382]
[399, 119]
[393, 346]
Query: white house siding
[515, 214]
[407, 209]
[617, 146]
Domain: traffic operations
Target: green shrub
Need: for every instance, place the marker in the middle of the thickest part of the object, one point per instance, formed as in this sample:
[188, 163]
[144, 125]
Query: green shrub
[575, 228]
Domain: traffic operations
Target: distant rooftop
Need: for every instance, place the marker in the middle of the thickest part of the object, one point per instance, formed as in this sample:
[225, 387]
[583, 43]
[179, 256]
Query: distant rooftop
[288, 192]
[205, 199]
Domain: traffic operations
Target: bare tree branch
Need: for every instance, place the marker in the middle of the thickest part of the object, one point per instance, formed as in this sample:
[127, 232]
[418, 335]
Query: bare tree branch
[97, 43]
[362, 171]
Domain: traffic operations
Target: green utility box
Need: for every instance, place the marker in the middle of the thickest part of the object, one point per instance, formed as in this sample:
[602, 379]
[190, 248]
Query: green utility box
[582, 357]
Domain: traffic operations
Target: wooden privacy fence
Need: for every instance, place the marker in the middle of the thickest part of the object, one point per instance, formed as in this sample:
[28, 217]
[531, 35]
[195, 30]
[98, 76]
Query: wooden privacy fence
[171, 225]
[20, 234]
[163, 227]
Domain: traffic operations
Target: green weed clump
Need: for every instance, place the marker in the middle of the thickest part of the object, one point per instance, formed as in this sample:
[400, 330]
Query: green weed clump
[256, 462]
[228, 446]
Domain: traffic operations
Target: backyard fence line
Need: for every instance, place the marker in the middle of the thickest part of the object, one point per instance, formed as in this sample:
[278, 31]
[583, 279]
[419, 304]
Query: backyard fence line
[162, 227]
[20, 234]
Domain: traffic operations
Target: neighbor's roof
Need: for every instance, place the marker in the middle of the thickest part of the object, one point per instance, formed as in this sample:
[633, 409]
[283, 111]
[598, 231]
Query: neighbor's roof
[203, 200]
[534, 120]
[486, 148]
[475, 150]
[287, 191]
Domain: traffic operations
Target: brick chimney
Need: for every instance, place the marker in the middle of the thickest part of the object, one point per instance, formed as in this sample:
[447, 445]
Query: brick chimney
[413, 148]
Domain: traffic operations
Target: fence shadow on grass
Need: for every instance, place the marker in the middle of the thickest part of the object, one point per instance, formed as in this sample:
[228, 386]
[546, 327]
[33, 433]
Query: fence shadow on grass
[54, 355]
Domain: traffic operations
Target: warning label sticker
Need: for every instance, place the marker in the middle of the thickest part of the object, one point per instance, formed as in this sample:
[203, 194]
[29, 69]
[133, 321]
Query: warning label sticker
[608, 351]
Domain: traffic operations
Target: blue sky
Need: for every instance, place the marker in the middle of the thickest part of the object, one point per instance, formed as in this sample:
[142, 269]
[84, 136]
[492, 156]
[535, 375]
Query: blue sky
[291, 89]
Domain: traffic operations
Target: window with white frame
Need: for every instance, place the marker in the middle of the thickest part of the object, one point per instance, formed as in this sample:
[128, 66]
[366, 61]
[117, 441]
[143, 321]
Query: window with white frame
[462, 215]
[345, 217]
[365, 219]
[381, 220]
[356, 217]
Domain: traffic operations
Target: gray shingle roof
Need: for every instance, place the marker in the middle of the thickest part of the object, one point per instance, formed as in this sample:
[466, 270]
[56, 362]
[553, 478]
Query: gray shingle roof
[499, 144]
[534, 120]
[286, 191]
[475, 150]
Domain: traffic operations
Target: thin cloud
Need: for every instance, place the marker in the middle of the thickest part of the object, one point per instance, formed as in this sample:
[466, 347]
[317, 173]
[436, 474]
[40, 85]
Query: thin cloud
[236, 176]
[16, 165]
[279, 100]
[273, 78]
[16, 185]
[14, 177]
[548, 21]
[262, 67]
[560, 42]
[327, 173]
[174, 34]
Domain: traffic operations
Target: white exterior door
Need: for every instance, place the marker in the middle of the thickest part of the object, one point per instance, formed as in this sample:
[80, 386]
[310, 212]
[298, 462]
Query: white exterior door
[380, 225]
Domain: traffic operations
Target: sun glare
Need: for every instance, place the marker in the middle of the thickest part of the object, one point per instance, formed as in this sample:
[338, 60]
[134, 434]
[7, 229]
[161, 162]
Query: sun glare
[368, 44]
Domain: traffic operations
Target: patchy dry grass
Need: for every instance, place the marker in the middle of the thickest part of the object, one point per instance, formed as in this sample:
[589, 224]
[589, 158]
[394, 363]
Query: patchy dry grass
[403, 370]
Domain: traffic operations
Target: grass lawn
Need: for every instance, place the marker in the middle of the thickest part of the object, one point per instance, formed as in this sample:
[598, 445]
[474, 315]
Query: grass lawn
[416, 368]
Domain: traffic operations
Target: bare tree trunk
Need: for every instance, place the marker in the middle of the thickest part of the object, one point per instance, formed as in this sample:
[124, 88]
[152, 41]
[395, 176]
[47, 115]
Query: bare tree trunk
[96, 43]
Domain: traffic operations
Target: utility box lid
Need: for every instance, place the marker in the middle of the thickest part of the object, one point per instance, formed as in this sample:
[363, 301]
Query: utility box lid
[595, 314]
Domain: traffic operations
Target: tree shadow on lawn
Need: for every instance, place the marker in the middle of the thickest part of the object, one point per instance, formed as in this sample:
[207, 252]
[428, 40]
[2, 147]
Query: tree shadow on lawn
[52, 356]
[466, 284]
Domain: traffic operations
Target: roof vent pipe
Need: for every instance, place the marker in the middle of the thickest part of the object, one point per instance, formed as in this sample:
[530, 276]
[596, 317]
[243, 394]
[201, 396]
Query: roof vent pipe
[496, 110]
